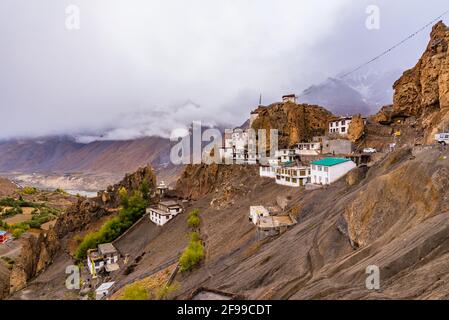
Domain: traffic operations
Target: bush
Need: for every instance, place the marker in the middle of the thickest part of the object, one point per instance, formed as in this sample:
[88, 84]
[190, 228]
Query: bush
[193, 220]
[29, 190]
[193, 254]
[113, 228]
[135, 292]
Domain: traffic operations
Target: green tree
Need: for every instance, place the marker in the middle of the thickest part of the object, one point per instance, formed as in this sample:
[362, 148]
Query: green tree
[193, 254]
[124, 197]
[145, 189]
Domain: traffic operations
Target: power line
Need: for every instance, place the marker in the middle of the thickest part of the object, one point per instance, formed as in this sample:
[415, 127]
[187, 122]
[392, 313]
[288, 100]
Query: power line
[395, 46]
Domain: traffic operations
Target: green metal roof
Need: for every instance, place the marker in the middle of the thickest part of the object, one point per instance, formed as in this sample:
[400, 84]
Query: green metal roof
[329, 162]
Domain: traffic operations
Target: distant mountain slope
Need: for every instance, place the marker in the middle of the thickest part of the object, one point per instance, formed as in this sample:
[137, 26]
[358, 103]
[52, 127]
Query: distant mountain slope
[6, 187]
[64, 154]
[362, 92]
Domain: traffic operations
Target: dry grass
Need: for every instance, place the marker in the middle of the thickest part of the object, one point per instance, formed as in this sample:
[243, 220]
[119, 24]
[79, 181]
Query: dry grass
[154, 284]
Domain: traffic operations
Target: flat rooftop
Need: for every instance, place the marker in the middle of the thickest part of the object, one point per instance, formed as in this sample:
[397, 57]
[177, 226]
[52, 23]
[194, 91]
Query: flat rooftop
[106, 248]
[274, 222]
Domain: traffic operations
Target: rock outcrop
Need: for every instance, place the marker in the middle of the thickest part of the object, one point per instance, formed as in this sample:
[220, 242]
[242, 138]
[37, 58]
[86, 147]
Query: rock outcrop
[398, 197]
[422, 93]
[131, 182]
[295, 122]
[356, 128]
[226, 181]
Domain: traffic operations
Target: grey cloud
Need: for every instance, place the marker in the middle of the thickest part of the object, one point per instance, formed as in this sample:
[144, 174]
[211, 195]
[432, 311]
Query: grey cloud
[133, 64]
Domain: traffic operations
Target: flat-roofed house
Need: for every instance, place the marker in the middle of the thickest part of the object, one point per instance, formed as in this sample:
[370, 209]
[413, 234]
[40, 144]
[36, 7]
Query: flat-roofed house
[257, 212]
[340, 126]
[286, 155]
[308, 149]
[105, 257]
[289, 98]
[292, 176]
[268, 168]
[329, 170]
[103, 290]
[164, 212]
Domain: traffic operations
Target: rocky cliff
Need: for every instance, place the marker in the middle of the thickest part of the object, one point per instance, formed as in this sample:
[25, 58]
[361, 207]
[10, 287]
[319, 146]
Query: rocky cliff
[295, 122]
[421, 95]
[223, 181]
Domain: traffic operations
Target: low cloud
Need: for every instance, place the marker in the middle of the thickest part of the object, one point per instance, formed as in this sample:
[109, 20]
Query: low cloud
[132, 66]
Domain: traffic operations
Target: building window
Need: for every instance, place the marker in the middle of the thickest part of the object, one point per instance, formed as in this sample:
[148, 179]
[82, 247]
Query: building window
[343, 129]
[326, 169]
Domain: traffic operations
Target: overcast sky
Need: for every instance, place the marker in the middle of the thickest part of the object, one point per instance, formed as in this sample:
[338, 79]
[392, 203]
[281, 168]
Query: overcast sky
[144, 67]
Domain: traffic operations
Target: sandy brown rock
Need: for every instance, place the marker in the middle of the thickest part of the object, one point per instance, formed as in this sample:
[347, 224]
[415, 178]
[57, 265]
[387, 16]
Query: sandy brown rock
[423, 91]
[356, 128]
[295, 123]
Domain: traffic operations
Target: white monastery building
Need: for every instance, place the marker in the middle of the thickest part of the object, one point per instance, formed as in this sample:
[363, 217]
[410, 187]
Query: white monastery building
[292, 176]
[289, 98]
[329, 170]
[340, 126]
[164, 212]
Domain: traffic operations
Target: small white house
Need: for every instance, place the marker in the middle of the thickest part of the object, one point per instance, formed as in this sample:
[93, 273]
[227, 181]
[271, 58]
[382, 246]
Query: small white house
[289, 98]
[103, 290]
[257, 212]
[164, 212]
[340, 126]
[286, 155]
[308, 149]
[105, 257]
[292, 176]
[267, 171]
[329, 170]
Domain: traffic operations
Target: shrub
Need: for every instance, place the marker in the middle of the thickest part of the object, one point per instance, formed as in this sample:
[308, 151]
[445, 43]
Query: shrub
[114, 227]
[124, 198]
[29, 190]
[135, 292]
[193, 220]
[193, 254]
[18, 231]
[145, 189]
